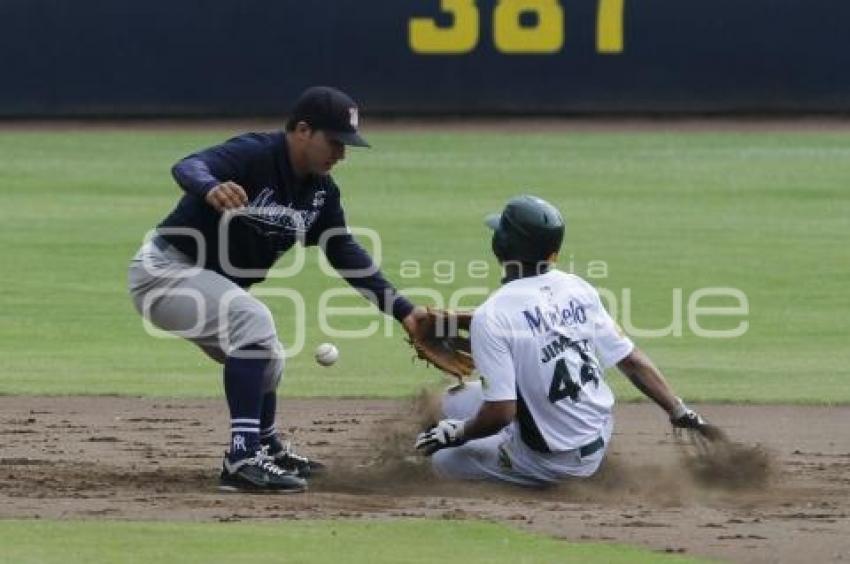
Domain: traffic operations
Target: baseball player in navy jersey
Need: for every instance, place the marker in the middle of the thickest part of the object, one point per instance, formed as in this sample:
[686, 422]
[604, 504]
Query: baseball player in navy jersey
[246, 202]
[542, 410]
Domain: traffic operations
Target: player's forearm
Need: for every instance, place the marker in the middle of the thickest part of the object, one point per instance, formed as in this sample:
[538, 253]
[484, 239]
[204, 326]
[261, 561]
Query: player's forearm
[646, 377]
[491, 418]
[358, 269]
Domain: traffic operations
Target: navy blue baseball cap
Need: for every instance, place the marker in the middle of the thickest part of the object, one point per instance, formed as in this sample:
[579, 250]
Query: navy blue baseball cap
[332, 111]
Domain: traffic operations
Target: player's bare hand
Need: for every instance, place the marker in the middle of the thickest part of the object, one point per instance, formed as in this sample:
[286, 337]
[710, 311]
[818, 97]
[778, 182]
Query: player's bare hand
[227, 196]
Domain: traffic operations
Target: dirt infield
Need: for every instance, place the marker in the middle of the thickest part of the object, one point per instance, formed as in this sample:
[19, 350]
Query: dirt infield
[127, 458]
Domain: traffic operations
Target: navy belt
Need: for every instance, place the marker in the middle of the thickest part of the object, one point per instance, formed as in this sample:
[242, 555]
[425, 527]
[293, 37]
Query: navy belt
[590, 448]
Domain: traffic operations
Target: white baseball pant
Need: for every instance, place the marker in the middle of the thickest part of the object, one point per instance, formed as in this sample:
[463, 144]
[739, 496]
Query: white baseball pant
[504, 456]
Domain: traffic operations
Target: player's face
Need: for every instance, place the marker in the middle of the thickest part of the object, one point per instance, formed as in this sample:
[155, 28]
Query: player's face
[322, 153]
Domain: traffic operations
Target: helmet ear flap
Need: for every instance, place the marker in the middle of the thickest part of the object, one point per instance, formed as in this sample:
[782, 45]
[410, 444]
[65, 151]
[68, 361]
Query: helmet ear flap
[499, 245]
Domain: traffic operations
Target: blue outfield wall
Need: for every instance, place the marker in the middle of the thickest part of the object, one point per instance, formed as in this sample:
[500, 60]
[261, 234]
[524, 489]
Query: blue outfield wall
[251, 57]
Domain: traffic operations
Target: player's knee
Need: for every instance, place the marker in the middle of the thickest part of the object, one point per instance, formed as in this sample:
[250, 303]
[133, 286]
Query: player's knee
[250, 323]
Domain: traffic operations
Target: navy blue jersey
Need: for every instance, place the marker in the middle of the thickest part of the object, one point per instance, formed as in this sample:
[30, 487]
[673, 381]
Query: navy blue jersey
[281, 210]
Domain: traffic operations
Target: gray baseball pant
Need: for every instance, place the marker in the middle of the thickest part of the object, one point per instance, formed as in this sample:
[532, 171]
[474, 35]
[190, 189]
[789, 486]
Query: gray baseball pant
[204, 307]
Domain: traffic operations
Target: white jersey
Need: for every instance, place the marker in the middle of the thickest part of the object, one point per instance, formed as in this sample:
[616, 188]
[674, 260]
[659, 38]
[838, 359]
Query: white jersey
[545, 341]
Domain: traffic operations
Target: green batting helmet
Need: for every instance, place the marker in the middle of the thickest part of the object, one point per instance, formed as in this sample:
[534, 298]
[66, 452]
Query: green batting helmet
[528, 230]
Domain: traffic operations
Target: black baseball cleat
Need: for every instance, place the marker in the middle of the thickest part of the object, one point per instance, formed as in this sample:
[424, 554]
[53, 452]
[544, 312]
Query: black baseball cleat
[258, 475]
[301, 466]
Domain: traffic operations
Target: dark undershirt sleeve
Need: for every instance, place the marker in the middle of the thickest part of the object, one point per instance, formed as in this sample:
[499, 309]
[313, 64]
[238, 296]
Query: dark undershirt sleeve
[194, 176]
[200, 172]
[355, 265]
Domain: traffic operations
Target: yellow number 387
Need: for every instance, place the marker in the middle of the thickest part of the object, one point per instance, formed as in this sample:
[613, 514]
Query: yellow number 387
[545, 35]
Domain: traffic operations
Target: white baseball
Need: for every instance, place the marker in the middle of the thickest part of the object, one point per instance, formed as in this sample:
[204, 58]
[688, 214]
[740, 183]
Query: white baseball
[326, 354]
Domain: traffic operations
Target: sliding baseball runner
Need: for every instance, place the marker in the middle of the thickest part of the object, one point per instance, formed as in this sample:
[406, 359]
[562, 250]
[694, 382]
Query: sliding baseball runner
[542, 410]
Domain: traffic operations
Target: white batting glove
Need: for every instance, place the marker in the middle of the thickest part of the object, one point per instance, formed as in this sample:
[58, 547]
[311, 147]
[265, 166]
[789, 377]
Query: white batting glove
[684, 417]
[446, 433]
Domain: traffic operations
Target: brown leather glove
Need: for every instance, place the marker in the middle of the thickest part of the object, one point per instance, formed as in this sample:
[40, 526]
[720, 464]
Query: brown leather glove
[441, 337]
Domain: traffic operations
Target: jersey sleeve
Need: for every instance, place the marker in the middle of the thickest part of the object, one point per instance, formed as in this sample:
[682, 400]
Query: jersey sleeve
[491, 352]
[202, 171]
[610, 341]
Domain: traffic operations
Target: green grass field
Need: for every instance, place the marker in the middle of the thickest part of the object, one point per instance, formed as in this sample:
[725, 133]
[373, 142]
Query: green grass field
[316, 542]
[766, 213]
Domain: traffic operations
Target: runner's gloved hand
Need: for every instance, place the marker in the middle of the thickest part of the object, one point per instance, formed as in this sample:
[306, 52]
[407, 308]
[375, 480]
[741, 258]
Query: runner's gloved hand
[683, 417]
[446, 433]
